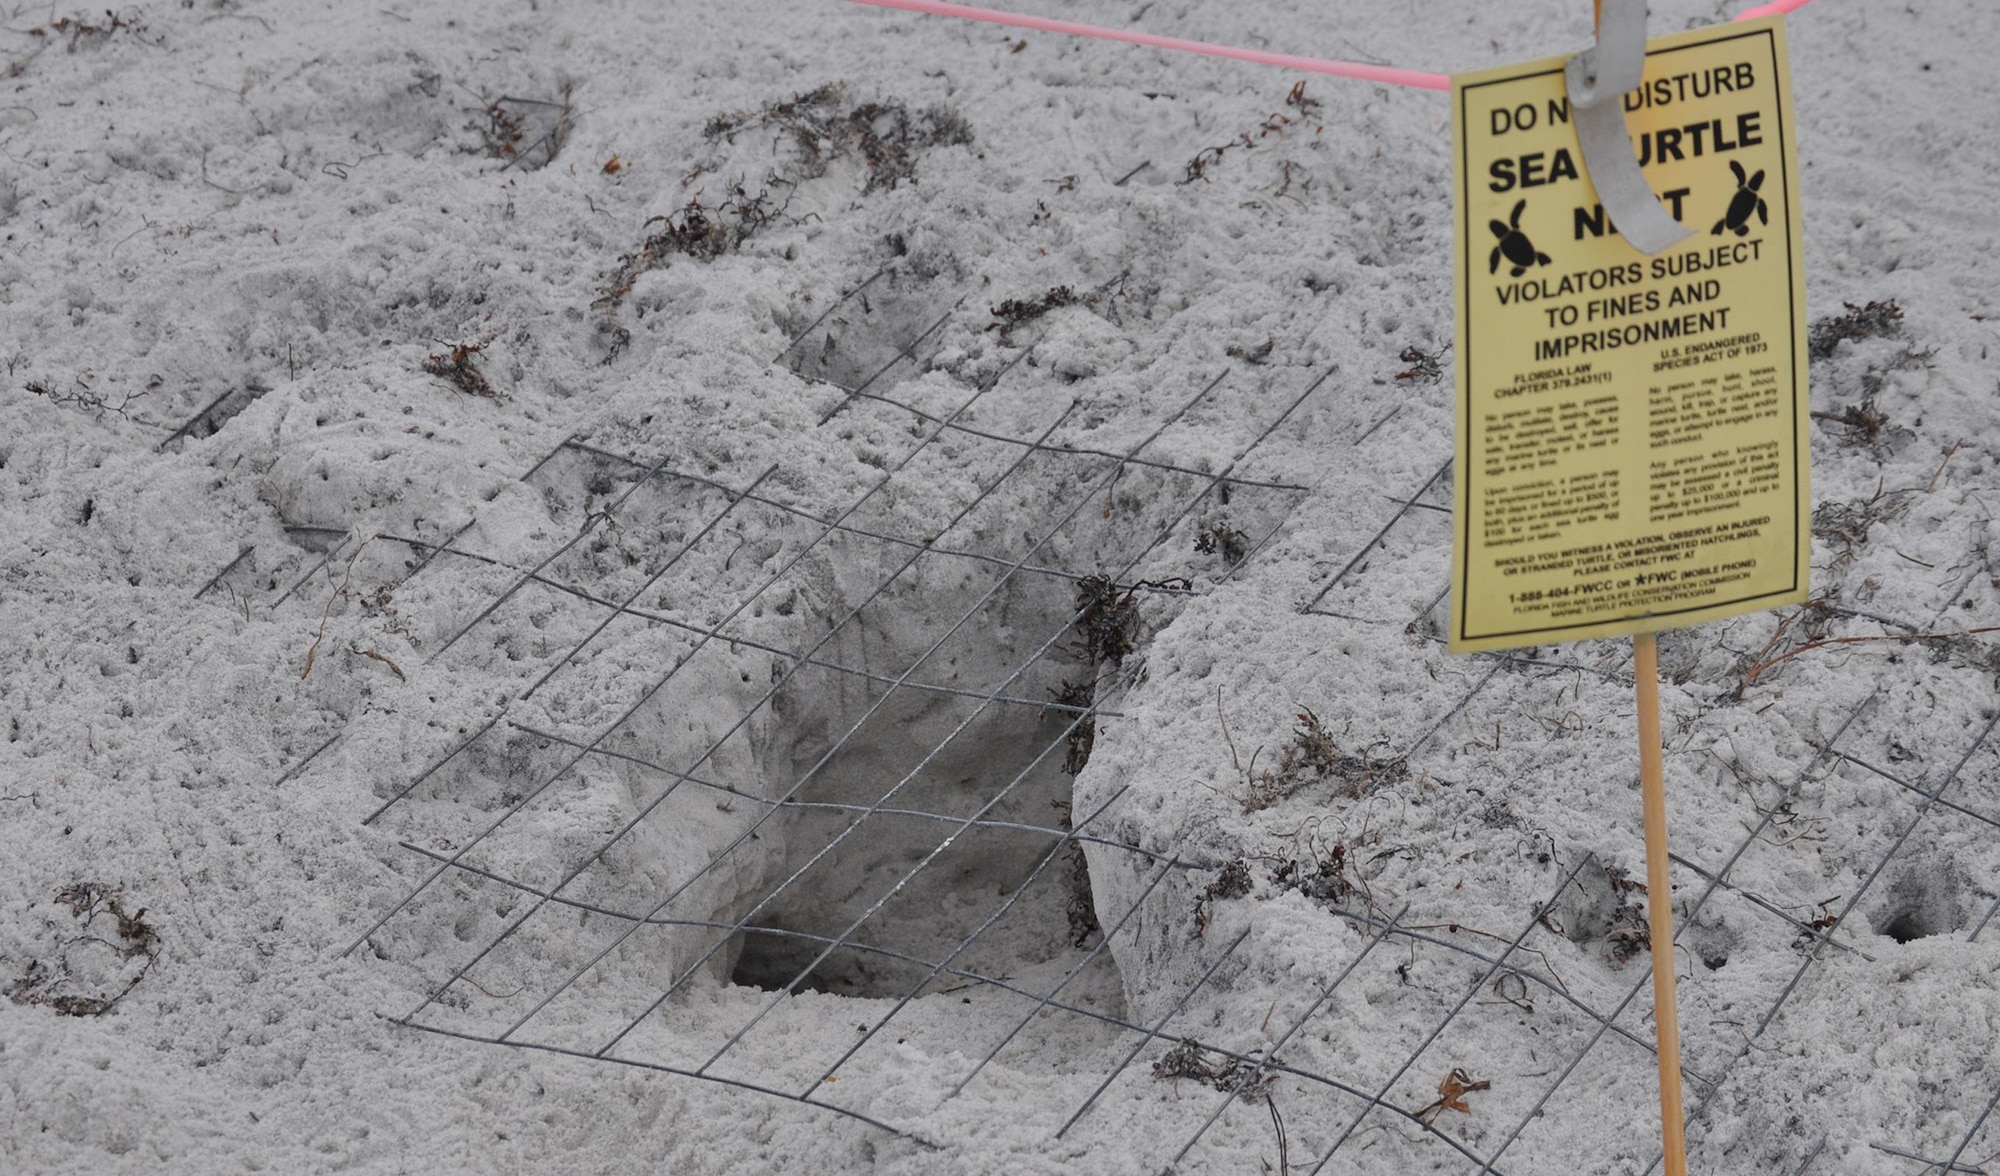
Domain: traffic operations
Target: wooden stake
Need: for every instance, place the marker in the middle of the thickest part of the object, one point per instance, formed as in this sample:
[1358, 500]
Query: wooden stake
[1659, 888]
[1659, 906]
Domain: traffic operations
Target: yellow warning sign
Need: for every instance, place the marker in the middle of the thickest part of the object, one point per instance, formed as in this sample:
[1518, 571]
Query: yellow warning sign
[1632, 429]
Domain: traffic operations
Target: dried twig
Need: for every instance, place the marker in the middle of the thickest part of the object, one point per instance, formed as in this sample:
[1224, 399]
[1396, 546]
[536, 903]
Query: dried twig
[1764, 664]
[81, 395]
[136, 938]
[372, 655]
[1948, 455]
[313, 650]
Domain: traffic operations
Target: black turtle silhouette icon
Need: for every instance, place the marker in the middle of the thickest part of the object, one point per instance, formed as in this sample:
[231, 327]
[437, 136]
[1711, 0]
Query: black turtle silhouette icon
[1514, 245]
[1741, 205]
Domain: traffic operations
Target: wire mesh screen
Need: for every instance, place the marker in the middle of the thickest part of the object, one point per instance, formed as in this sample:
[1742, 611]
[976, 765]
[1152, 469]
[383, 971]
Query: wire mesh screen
[771, 762]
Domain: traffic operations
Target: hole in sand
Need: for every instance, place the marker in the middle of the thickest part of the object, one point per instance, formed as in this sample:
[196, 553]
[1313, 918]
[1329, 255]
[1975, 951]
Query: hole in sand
[875, 876]
[1908, 925]
[1920, 904]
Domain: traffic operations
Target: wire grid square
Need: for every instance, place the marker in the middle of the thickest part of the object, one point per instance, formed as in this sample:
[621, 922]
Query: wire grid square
[1950, 1151]
[972, 682]
[887, 323]
[1414, 541]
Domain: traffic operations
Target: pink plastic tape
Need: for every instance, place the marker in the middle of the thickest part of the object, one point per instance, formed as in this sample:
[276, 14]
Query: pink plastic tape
[1340, 69]
[1343, 69]
[1776, 8]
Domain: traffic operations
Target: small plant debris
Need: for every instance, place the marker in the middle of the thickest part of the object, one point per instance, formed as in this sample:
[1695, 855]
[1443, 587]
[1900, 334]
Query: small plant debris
[1221, 538]
[1814, 929]
[1426, 367]
[80, 395]
[1307, 107]
[1016, 311]
[378, 656]
[87, 900]
[1067, 699]
[1254, 356]
[528, 131]
[1197, 168]
[1323, 878]
[129, 939]
[1109, 616]
[1312, 748]
[1232, 881]
[1080, 907]
[1303, 109]
[1512, 987]
[1862, 422]
[1908, 358]
[890, 136]
[1245, 1079]
[1860, 322]
[340, 593]
[693, 230]
[808, 117]
[821, 127]
[1451, 1095]
[1630, 934]
[1312, 756]
[382, 604]
[1806, 625]
[1805, 630]
[456, 366]
[87, 30]
[1848, 523]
